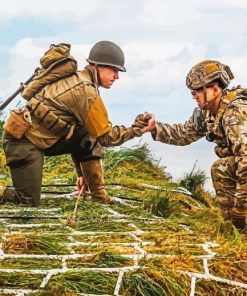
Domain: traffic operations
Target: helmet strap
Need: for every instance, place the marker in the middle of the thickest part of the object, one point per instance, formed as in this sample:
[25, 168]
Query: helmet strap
[94, 70]
[97, 76]
[205, 96]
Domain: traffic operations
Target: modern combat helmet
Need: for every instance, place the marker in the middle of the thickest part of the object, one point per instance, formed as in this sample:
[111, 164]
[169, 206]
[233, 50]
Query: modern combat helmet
[107, 53]
[207, 71]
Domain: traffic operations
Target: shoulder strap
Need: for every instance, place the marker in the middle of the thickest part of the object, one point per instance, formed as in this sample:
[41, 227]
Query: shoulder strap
[224, 103]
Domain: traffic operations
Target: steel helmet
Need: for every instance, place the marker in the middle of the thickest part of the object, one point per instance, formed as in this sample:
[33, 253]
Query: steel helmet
[207, 71]
[107, 53]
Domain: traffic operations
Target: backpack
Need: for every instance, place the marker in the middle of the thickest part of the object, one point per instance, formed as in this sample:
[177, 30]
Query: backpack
[56, 63]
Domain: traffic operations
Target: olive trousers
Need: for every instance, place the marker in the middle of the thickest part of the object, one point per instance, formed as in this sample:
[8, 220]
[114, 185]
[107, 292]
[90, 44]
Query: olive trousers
[25, 162]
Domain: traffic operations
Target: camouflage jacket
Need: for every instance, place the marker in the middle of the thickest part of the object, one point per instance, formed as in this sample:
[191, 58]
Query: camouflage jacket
[228, 131]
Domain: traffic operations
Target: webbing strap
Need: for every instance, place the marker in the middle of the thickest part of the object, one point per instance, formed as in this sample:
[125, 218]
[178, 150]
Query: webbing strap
[49, 120]
[226, 100]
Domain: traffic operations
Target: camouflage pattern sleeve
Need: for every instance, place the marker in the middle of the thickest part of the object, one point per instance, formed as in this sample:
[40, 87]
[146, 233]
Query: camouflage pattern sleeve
[177, 134]
[235, 126]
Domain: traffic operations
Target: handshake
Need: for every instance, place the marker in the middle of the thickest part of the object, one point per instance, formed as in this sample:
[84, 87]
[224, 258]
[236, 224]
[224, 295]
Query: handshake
[145, 122]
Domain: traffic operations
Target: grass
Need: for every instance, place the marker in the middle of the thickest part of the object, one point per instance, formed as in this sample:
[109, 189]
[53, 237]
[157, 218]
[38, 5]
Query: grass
[173, 223]
[22, 244]
[181, 262]
[231, 261]
[28, 263]
[111, 238]
[20, 280]
[153, 282]
[103, 259]
[103, 224]
[115, 249]
[207, 287]
[82, 282]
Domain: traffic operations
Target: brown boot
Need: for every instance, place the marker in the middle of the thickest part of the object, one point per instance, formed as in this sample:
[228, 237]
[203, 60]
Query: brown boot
[94, 175]
[9, 195]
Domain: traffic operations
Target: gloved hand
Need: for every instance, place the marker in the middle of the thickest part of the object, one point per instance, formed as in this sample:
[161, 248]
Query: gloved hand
[144, 123]
[151, 123]
[142, 120]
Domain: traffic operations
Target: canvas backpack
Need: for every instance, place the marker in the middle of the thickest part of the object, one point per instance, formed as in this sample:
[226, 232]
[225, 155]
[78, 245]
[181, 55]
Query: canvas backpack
[56, 63]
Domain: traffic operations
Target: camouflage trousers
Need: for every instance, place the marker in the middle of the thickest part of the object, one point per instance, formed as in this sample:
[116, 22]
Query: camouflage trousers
[230, 184]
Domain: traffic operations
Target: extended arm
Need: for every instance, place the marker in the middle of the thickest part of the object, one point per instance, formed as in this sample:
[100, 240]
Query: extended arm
[117, 135]
[177, 134]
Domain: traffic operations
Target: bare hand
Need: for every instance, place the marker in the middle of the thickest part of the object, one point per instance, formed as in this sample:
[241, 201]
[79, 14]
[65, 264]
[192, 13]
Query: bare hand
[82, 186]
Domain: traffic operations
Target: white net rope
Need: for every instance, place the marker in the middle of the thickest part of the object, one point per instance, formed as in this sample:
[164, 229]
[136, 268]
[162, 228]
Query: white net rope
[137, 244]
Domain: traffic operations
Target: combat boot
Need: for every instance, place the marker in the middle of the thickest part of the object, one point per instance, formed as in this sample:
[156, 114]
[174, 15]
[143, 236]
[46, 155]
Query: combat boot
[94, 175]
[9, 195]
[240, 223]
[226, 213]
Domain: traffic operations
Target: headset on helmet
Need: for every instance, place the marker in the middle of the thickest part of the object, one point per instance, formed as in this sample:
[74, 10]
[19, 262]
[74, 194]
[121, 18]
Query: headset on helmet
[207, 71]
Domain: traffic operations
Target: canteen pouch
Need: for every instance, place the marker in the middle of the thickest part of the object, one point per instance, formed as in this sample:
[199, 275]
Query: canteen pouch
[18, 122]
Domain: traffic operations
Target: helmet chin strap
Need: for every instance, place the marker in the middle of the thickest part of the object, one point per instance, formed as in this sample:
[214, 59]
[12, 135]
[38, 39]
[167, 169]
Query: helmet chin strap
[97, 76]
[204, 107]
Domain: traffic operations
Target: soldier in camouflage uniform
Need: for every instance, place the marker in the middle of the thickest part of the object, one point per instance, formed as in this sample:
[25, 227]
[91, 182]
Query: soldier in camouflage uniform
[222, 119]
[68, 116]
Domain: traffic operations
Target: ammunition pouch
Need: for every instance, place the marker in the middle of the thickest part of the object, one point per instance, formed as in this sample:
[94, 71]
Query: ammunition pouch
[198, 120]
[49, 120]
[18, 122]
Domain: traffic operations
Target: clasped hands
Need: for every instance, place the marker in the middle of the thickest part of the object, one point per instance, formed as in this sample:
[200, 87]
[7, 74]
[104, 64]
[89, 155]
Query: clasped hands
[146, 122]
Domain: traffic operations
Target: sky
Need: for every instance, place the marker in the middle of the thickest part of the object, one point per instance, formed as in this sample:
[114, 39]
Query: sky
[161, 39]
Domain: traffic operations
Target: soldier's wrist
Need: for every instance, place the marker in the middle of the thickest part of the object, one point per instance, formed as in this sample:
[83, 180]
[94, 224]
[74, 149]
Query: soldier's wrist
[154, 131]
[137, 131]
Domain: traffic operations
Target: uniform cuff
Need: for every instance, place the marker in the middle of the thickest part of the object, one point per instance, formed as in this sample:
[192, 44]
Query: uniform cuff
[137, 131]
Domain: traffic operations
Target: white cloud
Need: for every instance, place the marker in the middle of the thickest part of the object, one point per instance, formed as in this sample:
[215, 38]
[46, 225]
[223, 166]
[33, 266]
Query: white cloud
[178, 12]
[149, 65]
[158, 65]
[236, 3]
[73, 10]
[160, 68]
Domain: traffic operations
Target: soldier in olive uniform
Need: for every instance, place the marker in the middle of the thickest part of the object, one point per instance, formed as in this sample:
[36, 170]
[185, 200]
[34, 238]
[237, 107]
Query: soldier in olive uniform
[222, 119]
[73, 103]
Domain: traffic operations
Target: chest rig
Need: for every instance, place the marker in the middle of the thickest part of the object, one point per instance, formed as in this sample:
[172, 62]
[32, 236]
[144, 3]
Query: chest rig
[211, 125]
[215, 122]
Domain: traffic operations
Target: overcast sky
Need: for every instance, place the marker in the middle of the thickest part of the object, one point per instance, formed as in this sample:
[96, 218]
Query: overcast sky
[161, 39]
